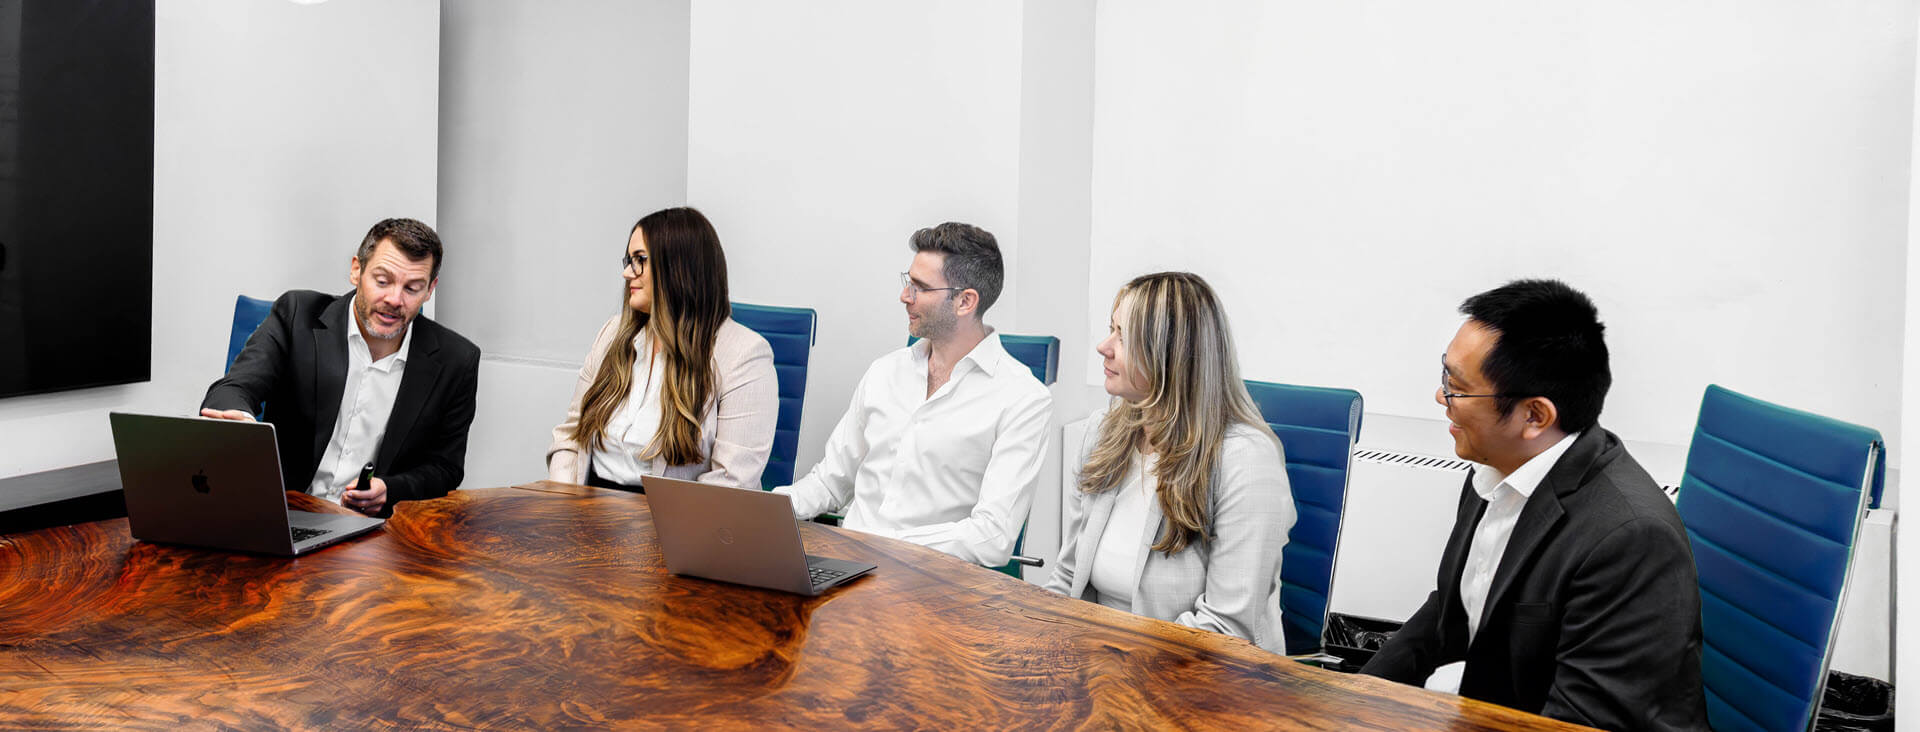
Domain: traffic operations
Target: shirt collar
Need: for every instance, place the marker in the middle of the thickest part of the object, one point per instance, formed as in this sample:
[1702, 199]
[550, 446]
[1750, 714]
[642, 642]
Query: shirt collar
[987, 355]
[1487, 480]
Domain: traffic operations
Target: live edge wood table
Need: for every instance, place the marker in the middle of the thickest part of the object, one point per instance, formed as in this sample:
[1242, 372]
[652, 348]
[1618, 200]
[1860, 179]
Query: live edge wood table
[546, 606]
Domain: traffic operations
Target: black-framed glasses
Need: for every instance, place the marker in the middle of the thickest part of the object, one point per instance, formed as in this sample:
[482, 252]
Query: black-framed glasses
[638, 262]
[914, 289]
[1446, 392]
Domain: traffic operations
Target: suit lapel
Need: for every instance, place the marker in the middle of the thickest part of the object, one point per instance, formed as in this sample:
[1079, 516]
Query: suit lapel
[1543, 512]
[330, 370]
[1453, 563]
[422, 372]
[1149, 535]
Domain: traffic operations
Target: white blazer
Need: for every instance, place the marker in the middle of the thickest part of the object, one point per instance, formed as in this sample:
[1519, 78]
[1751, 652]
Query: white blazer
[745, 409]
[1229, 583]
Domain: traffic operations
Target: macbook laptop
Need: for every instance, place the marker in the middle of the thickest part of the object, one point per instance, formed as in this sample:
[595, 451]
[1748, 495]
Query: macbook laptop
[216, 483]
[746, 537]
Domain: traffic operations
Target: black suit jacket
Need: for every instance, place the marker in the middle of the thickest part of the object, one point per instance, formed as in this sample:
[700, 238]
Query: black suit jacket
[1594, 612]
[296, 362]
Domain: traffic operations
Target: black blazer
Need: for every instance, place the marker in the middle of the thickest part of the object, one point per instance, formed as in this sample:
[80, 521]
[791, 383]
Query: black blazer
[1594, 612]
[296, 362]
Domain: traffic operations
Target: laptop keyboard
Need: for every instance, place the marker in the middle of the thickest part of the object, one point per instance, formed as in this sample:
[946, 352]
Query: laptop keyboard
[300, 534]
[823, 576]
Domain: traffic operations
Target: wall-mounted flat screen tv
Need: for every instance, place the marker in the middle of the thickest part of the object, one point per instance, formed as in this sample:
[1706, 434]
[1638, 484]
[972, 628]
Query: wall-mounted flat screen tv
[76, 194]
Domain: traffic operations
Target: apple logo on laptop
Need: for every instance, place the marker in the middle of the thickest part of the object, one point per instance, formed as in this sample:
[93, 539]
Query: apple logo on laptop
[200, 482]
[726, 535]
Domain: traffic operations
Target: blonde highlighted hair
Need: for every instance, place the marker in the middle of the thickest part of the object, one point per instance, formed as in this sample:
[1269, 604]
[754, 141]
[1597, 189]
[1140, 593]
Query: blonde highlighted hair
[1177, 343]
[687, 274]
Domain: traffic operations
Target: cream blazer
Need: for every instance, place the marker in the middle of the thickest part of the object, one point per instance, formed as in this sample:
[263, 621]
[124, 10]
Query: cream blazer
[1229, 584]
[740, 419]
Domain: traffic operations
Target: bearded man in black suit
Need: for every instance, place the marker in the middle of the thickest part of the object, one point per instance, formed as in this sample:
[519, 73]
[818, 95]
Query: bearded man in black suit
[361, 378]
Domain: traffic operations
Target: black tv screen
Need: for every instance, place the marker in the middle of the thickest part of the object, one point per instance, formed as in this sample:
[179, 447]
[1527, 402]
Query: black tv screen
[76, 194]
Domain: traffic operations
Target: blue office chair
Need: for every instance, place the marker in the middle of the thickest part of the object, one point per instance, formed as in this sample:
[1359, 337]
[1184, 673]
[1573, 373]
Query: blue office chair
[248, 313]
[1772, 499]
[1042, 355]
[1039, 353]
[790, 331]
[1317, 427]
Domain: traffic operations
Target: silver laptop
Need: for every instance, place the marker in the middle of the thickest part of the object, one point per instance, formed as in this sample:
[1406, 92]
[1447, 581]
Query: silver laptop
[216, 483]
[746, 537]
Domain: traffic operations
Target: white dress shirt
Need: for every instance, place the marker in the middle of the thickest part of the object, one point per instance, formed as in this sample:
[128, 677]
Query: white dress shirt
[954, 471]
[631, 429]
[1506, 496]
[365, 405]
[1116, 563]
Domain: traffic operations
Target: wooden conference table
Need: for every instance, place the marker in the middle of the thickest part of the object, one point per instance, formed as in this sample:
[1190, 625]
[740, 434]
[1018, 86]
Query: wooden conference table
[546, 606]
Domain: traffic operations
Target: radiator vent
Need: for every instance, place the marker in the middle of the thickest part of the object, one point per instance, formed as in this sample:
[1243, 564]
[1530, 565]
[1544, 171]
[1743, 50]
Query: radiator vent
[1411, 460]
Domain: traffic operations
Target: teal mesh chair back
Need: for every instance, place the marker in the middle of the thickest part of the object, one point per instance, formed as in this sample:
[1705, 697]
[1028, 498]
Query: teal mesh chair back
[790, 331]
[1039, 353]
[1042, 355]
[248, 313]
[1772, 499]
[1317, 427]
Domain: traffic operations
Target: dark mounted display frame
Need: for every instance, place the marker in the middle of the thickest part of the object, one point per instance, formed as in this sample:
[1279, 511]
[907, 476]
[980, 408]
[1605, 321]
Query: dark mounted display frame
[76, 194]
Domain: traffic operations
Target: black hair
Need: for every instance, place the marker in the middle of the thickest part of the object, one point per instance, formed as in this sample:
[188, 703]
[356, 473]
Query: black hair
[414, 239]
[972, 258]
[1549, 343]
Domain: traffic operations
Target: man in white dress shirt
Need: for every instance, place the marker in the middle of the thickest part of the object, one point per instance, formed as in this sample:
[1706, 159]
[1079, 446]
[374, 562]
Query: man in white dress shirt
[943, 442]
[360, 378]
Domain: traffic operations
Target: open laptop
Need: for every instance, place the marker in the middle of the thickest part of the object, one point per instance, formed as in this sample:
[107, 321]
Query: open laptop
[746, 537]
[216, 483]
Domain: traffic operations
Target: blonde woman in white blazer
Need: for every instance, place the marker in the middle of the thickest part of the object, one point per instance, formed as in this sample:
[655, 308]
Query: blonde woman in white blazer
[672, 385]
[1182, 506]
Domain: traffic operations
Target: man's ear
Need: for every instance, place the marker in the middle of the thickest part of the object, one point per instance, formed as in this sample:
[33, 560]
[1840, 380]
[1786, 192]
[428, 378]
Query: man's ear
[353, 270]
[966, 302]
[1538, 415]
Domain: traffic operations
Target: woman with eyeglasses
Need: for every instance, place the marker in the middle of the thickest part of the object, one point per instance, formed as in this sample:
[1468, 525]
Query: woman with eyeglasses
[1183, 505]
[672, 386]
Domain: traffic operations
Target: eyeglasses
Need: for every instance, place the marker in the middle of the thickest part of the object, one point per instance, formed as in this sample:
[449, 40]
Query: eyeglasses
[914, 289]
[1447, 376]
[637, 262]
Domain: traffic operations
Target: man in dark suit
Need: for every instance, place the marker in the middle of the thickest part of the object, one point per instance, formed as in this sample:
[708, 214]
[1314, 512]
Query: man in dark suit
[360, 378]
[1568, 587]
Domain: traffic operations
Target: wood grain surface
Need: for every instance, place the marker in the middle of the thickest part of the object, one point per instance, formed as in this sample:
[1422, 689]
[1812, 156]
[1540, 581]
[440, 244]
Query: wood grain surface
[546, 606]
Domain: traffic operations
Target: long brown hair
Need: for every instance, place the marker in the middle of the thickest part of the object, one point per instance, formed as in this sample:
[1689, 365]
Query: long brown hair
[687, 275]
[1177, 342]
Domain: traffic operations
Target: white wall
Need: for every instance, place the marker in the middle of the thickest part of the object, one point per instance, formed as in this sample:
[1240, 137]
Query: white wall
[562, 125]
[823, 134]
[281, 132]
[1055, 220]
[1731, 187]
[1906, 555]
[1728, 182]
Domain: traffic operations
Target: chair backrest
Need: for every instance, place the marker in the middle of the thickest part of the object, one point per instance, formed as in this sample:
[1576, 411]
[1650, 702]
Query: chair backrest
[1772, 499]
[791, 333]
[1317, 427]
[248, 313]
[1040, 353]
